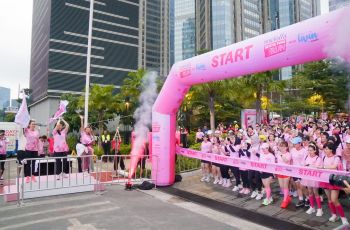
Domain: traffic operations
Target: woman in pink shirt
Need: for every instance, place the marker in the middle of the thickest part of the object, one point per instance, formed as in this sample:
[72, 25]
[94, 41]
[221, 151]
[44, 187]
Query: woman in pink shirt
[3, 144]
[32, 147]
[60, 147]
[284, 158]
[332, 161]
[266, 156]
[313, 160]
[87, 139]
[206, 147]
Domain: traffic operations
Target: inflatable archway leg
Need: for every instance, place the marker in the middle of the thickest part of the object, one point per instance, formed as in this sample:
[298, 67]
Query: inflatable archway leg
[163, 148]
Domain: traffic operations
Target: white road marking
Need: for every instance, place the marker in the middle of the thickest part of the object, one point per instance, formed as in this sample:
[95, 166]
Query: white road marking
[51, 201]
[54, 210]
[207, 212]
[76, 225]
[92, 212]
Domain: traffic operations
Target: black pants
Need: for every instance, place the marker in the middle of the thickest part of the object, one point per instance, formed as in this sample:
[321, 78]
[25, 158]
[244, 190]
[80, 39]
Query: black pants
[236, 173]
[255, 180]
[62, 163]
[80, 169]
[29, 168]
[244, 175]
[118, 159]
[106, 150]
[224, 171]
[2, 164]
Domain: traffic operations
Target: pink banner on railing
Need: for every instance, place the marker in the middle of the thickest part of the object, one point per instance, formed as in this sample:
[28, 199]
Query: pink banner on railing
[321, 175]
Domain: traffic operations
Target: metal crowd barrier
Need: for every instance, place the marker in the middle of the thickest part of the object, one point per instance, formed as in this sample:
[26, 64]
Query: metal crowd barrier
[9, 182]
[186, 164]
[113, 169]
[50, 173]
[36, 177]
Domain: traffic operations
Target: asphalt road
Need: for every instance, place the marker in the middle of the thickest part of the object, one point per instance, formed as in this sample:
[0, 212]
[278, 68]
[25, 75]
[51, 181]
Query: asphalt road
[117, 209]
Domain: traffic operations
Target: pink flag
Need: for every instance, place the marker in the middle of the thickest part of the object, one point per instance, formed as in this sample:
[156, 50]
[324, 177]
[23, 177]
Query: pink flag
[61, 110]
[22, 117]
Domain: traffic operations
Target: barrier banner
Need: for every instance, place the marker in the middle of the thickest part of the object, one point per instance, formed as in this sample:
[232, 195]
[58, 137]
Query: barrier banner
[307, 173]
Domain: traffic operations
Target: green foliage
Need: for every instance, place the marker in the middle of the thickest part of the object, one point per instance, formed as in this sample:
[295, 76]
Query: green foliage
[195, 146]
[191, 138]
[326, 78]
[185, 164]
[125, 149]
[102, 104]
[72, 140]
[98, 151]
[145, 173]
[9, 117]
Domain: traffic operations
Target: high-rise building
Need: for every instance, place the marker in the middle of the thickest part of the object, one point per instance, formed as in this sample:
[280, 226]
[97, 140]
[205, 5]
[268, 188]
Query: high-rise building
[336, 4]
[154, 36]
[59, 48]
[286, 12]
[184, 32]
[5, 94]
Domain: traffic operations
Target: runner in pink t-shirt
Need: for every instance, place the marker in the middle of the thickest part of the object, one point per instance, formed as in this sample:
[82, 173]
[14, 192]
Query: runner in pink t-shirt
[313, 160]
[284, 158]
[86, 139]
[32, 146]
[332, 161]
[298, 155]
[60, 148]
[3, 144]
[266, 156]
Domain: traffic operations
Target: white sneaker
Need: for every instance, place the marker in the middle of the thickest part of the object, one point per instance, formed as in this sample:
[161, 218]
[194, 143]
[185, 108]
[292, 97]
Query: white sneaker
[221, 181]
[240, 186]
[216, 181]
[333, 218]
[228, 184]
[259, 196]
[311, 210]
[203, 179]
[254, 194]
[224, 181]
[319, 212]
[344, 221]
[207, 179]
[295, 194]
[235, 189]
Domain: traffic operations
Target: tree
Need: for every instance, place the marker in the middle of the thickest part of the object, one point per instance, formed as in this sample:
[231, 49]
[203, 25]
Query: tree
[102, 102]
[9, 117]
[329, 79]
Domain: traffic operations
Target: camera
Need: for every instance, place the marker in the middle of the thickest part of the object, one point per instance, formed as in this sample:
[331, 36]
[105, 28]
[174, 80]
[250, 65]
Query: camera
[337, 180]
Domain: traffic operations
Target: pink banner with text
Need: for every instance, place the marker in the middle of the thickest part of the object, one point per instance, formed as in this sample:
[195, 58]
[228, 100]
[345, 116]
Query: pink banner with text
[321, 175]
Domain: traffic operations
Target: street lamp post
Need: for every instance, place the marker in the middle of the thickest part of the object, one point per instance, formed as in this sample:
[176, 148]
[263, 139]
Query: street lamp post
[88, 60]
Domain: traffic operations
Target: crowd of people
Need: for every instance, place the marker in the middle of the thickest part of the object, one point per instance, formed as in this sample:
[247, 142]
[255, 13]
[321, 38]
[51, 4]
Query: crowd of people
[308, 142]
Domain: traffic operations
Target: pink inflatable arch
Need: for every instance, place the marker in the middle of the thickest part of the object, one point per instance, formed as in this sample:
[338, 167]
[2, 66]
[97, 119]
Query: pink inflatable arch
[296, 44]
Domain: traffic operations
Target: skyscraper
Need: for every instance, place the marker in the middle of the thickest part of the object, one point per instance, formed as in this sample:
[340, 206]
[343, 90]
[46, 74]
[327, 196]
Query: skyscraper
[184, 32]
[59, 47]
[336, 4]
[154, 36]
[4, 97]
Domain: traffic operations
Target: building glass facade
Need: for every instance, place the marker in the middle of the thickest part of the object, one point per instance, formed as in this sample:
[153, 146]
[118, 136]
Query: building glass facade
[59, 45]
[222, 23]
[251, 18]
[5, 94]
[184, 29]
[336, 4]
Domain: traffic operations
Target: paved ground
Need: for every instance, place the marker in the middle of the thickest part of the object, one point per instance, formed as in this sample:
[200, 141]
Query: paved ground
[116, 209]
[191, 183]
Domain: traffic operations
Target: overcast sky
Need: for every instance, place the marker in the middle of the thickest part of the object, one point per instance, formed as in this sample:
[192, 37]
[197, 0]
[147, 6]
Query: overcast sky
[15, 40]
